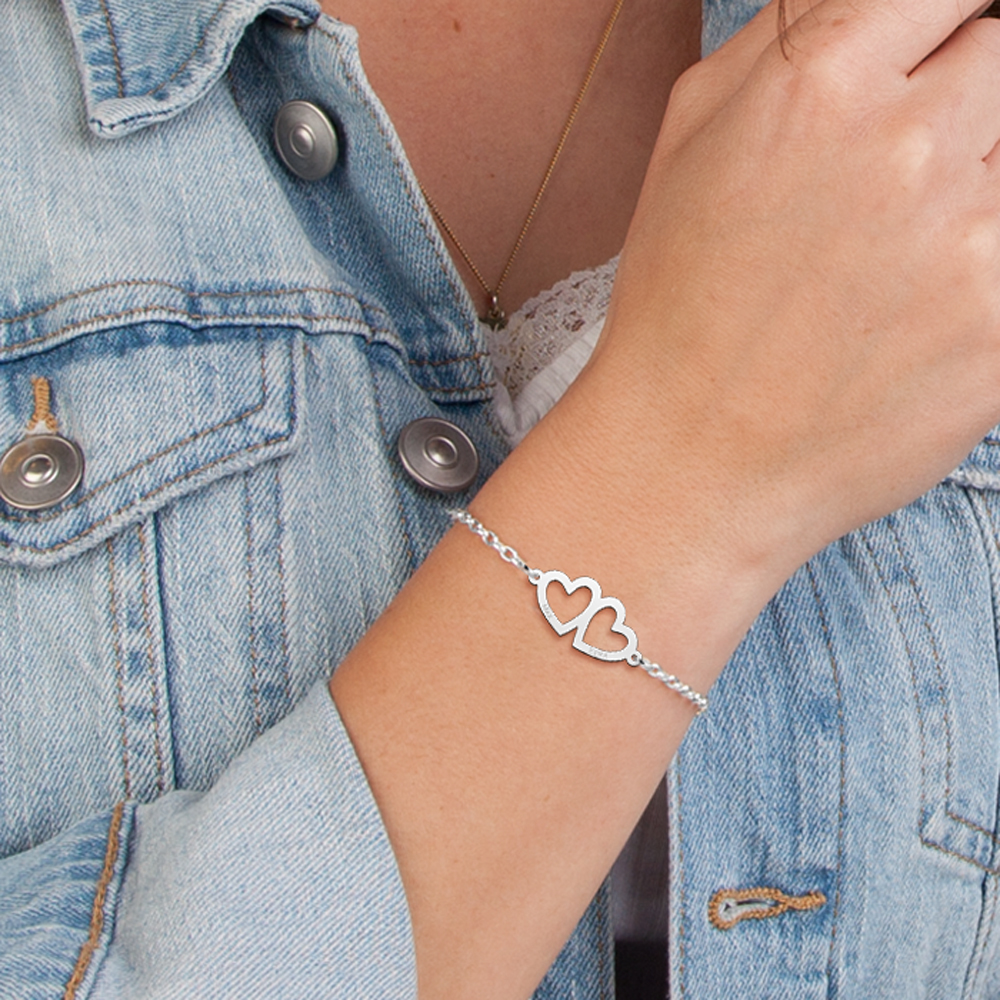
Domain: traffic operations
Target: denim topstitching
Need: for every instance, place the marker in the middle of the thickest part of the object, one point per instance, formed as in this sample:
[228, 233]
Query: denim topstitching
[161, 784]
[113, 41]
[165, 485]
[116, 642]
[283, 602]
[258, 716]
[842, 803]
[97, 913]
[397, 493]
[936, 656]
[183, 442]
[897, 614]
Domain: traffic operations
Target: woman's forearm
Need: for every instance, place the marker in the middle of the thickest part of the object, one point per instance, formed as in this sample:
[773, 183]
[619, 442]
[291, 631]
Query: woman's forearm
[814, 266]
[509, 767]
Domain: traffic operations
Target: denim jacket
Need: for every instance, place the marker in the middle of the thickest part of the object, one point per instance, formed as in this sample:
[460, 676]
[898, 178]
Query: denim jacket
[235, 351]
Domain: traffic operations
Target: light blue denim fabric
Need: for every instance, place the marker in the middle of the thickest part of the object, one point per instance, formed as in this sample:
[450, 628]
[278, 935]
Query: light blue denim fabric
[236, 351]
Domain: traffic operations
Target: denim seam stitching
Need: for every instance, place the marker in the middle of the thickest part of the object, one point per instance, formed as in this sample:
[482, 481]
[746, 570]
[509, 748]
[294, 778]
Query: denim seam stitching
[936, 656]
[400, 507]
[150, 459]
[205, 293]
[277, 319]
[842, 802]
[897, 613]
[183, 66]
[97, 911]
[116, 642]
[258, 721]
[154, 686]
[286, 668]
[163, 486]
[113, 41]
[420, 210]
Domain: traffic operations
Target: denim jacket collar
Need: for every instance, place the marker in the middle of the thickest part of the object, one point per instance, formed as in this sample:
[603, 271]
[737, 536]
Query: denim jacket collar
[142, 61]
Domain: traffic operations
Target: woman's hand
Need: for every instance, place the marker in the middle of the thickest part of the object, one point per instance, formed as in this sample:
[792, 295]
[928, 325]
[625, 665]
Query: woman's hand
[808, 307]
[805, 333]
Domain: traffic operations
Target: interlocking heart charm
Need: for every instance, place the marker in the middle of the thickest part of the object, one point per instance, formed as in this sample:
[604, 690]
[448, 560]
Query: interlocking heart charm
[582, 621]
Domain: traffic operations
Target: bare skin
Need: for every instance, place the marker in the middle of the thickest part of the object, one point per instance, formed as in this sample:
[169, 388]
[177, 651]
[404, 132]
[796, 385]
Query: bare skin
[479, 93]
[805, 334]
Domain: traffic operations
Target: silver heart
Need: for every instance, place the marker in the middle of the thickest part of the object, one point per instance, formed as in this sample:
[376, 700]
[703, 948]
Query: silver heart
[581, 621]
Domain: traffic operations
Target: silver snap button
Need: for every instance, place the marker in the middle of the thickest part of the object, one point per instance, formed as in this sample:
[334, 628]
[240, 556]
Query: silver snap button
[438, 455]
[441, 452]
[39, 471]
[306, 140]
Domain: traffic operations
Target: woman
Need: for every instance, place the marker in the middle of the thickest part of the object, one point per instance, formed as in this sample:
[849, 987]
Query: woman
[803, 337]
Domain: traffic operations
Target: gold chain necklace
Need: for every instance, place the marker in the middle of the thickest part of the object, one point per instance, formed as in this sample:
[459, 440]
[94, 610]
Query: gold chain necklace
[495, 316]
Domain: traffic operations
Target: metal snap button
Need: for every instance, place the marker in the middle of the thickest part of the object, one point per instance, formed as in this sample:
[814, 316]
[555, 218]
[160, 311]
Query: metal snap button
[438, 455]
[39, 471]
[306, 140]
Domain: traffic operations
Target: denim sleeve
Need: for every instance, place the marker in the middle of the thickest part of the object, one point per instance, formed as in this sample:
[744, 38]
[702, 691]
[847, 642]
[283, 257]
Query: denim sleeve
[279, 881]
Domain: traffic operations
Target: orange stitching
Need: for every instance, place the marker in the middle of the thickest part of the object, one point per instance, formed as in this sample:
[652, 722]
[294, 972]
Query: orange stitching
[104, 520]
[97, 913]
[43, 414]
[842, 803]
[119, 666]
[119, 77]
[961, 857]
[170, 482]
[151, 656]
[772, 903]
[42, 518]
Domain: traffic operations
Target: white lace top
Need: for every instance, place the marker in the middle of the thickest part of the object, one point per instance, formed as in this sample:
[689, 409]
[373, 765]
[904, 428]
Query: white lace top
[545, 345]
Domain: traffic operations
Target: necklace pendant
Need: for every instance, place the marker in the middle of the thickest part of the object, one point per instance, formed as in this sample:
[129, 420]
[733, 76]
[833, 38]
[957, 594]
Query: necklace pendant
[495, 317]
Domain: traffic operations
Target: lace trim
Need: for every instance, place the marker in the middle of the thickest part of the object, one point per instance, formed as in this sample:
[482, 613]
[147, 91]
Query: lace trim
[548, 324]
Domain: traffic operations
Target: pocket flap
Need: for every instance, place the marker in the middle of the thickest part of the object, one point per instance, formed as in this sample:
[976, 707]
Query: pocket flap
[159, 410]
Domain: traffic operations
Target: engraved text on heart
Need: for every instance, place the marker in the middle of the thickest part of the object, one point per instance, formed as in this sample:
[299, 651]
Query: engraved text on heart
[582, 621]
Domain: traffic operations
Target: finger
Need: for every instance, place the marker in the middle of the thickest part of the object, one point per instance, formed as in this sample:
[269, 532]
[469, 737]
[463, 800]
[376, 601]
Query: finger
[963, 78]
[878, 36]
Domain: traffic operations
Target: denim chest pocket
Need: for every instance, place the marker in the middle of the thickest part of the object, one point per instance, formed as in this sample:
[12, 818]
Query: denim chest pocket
[158, 412]
[120, 629]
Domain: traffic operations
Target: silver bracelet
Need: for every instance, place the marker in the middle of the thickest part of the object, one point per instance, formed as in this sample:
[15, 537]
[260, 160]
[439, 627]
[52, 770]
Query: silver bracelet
[540, 581]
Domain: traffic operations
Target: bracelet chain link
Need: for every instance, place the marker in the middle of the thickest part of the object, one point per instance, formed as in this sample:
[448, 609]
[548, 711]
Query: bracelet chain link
[540, 581]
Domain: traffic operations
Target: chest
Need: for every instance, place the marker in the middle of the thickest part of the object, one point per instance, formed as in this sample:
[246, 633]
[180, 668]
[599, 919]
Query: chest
[480, 95]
